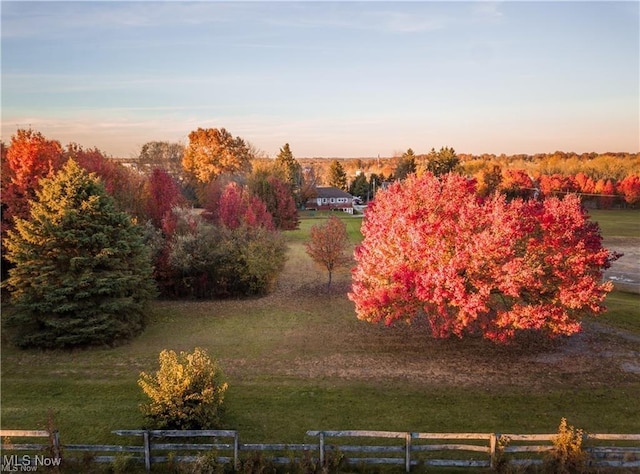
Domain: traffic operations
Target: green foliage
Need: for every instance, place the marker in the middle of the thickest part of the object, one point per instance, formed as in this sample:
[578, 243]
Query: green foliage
[164, 155]
[406, 165]
[217, 261]
[123, 463]
[442, 162]
[186, 393]
[359, 186]
[288, 166]
[567, 456]
[337, 175]
[82, 273]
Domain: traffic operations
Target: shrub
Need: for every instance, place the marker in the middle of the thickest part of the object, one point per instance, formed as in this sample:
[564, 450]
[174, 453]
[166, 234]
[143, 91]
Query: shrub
[211, 260]
[567, 455]
[187, 392]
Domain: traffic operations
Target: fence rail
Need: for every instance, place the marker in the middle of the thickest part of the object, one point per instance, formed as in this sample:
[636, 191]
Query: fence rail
[406, 449]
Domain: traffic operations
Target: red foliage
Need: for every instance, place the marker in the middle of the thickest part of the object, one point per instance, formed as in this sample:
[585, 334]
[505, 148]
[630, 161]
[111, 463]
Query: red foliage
[629, 187]
[233, 206]
[516, 183]
[585, 184]
[282, 205]
[433, 250]
[120, 182]
[607, 190]
[29, 158]
[557, 184]
[162, 193]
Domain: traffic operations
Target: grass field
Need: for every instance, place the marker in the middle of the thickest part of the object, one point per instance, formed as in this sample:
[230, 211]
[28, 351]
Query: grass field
[299, 360]
[618, 223]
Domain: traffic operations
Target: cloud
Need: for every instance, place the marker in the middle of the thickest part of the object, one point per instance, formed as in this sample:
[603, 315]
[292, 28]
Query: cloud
[400, 17]
[62, 19]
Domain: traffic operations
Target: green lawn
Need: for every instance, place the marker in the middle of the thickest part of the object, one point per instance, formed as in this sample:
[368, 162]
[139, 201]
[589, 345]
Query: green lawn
[623, 311]
[299, 360]
[617, 222]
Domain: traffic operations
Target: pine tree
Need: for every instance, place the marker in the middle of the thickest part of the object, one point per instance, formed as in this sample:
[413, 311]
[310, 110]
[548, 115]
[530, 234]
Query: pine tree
[406, 165]
[82, 273]
[337, 175]
[289, 167]
[442, 162]
[359, 186]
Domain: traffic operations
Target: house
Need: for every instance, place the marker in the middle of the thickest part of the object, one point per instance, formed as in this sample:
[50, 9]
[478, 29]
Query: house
[329, 198]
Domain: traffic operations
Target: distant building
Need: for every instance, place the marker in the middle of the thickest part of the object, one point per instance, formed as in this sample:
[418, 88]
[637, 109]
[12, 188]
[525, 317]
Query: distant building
[331, 199]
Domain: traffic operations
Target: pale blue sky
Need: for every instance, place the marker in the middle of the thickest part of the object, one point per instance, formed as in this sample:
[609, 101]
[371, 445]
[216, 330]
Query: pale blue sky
[333, 79]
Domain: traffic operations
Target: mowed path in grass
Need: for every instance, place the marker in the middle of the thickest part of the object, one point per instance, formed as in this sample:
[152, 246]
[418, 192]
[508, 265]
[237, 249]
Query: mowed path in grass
[298, 359]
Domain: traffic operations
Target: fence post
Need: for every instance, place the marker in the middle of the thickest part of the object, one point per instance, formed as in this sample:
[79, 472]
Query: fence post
[56, 444]
[493, 442]
[236, 444]
[407, 452]
[147, 450]
[321, 442]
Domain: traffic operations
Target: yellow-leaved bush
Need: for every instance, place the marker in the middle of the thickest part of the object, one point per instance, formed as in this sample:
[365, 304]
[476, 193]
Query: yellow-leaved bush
[568, 454]
[187, 392]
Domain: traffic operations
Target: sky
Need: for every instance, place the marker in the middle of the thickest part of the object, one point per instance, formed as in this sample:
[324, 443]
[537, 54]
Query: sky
[332, 79]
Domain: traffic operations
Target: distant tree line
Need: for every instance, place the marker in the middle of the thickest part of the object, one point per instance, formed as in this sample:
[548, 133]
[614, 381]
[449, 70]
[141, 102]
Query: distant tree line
[601, 180]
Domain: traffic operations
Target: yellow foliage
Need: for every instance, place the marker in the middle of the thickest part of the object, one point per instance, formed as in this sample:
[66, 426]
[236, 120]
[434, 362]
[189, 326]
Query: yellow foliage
[186, 392]
[567, 456]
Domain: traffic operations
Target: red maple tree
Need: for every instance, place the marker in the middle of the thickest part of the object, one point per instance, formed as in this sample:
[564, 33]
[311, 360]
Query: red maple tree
[629, 187]
[125, 185]
[233, 206]
[432, 249]
[162, 194]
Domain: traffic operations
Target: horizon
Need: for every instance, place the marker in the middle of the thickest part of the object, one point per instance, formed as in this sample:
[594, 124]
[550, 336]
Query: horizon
[343, 80]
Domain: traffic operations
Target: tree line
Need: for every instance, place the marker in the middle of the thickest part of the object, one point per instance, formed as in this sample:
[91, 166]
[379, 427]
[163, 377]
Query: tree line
[87, 241]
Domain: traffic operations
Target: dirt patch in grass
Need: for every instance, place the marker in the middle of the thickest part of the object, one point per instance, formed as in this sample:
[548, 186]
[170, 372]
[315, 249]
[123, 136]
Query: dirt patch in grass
[625, 272]
[594, 358]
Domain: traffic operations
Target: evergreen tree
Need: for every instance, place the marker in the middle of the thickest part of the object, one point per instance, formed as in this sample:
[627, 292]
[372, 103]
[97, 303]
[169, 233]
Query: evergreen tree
[289, 167]
[359, 187]
[406, 165]
[337, 175]
[442, 162]
[375, 183]
[82, 273]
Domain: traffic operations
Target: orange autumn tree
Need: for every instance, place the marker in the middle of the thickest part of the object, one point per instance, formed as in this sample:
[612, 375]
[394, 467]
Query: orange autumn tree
[212, 152]
[433, 250]
[328, 244]
[629, 187]
[29, 158]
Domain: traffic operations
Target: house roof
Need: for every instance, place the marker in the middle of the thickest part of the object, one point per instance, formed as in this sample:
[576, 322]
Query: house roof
[331, 192]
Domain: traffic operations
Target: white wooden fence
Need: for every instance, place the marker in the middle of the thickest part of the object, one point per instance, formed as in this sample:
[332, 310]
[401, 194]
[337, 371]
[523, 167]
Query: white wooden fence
[405, 449]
